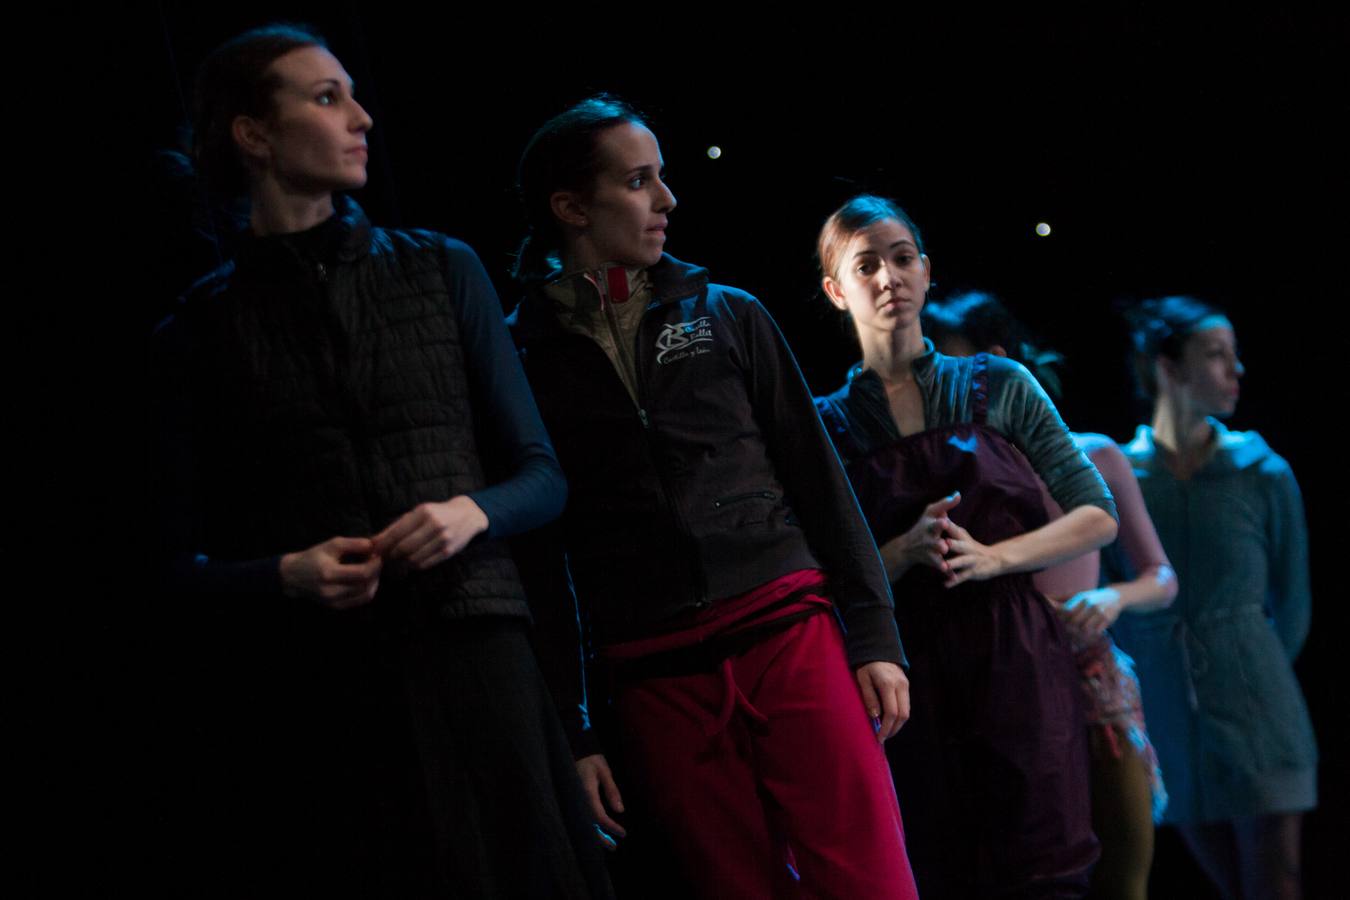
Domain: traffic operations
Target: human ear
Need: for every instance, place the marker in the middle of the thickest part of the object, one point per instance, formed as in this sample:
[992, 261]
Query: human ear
[250, 136]
[568, 208]
[834, 293]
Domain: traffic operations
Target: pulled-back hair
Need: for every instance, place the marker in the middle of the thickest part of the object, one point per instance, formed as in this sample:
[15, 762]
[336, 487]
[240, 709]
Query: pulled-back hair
[984, 321]
[236, 79]
[851, 218]
[563, 155]
[1161, 327]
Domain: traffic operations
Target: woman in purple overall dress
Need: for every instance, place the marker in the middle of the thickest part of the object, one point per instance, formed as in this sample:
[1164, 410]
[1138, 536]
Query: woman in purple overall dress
[943, 454]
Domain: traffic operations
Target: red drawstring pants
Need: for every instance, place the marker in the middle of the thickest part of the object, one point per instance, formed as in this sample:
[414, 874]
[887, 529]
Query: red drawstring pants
[768, 759]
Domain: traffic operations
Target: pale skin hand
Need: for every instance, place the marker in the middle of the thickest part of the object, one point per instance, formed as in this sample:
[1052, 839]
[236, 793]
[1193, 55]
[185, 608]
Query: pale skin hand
[969, 560]
[340, 573]
[1089, 613]
[603, 795]
[431, 532]
[924, 544]
[885, 696]
[1078, 531]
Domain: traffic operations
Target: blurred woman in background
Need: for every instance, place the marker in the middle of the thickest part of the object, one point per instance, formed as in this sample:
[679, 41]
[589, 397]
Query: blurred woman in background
[1225, 710]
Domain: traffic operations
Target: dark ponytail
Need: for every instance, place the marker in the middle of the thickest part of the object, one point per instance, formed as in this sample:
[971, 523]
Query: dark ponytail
[563, 155]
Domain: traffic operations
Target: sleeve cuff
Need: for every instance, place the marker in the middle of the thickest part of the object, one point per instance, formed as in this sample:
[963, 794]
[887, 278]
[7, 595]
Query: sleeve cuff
[1108, 504]
[870, 635]
[584, 742]
[484, 501]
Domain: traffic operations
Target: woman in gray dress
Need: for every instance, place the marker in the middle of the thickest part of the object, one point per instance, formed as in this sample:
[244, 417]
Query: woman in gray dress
[1226, 713]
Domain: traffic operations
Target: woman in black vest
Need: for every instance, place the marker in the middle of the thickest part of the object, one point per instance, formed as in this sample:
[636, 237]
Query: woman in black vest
[330, 400]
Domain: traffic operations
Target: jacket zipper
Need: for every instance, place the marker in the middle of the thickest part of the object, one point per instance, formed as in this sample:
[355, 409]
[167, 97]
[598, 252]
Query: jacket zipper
[344, 383]
[737, 498]
[610, 317]
[700, 578]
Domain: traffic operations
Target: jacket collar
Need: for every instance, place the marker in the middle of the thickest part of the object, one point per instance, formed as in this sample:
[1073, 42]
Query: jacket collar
[1235, 450]
[924, 367]
[672, 281]
[942, 381]
[864, 396]
[342, 237]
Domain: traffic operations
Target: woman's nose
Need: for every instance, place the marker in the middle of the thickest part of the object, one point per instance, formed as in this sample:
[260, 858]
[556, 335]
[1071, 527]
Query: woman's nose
[361, 120]
[666, 201]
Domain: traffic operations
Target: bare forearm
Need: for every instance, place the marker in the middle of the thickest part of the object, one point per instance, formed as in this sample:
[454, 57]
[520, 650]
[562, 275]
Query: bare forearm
[1155, 588]
[1079, 531]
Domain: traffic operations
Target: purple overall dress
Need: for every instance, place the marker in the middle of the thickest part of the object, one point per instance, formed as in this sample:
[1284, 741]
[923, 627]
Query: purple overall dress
[992, 768]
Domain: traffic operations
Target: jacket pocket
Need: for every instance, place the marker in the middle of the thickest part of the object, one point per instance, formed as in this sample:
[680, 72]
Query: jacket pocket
[742, 498]
[745, 509]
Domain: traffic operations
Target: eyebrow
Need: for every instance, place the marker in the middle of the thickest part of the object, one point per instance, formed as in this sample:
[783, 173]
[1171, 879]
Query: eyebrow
[868, 251]
[351, 85]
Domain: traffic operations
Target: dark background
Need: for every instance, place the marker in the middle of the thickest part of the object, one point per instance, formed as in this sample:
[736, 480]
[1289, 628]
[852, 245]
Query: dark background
[1169, 153]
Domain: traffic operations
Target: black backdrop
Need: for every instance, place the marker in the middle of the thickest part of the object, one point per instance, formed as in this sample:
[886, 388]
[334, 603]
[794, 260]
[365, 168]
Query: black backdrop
[1169, 153]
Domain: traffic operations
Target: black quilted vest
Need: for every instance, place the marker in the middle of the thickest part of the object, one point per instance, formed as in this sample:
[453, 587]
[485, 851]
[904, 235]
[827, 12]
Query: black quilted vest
[330, 397]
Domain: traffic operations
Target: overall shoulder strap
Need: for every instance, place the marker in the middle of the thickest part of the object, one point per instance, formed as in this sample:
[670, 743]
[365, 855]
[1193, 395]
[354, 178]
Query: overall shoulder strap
[979, 388]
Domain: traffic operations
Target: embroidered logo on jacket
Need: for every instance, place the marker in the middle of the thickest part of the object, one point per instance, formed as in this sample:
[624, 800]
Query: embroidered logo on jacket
[680, 340]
